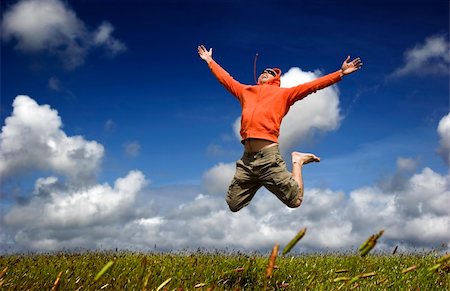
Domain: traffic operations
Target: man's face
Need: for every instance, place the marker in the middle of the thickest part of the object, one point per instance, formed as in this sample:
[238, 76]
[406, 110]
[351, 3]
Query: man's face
[266, 76]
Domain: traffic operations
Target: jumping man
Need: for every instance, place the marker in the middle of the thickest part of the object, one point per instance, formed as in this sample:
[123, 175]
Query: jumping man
[263, 107]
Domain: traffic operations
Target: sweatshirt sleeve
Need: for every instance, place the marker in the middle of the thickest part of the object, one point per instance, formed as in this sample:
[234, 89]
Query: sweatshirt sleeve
[233, 86]
[301, 91]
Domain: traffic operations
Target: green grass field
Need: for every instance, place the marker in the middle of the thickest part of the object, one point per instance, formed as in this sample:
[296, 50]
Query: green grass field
[222, 271]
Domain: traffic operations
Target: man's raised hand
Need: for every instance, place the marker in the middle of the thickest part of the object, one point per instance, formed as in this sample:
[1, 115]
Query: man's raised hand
[204, 53]
[350, 67]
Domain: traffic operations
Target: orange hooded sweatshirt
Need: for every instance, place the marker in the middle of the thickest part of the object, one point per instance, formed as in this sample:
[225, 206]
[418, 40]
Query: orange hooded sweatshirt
[265, 105]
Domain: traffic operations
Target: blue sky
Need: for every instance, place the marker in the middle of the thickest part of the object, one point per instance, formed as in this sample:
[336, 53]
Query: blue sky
[122, 96]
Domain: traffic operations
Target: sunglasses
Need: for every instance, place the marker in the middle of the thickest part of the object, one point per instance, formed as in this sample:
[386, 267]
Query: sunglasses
[269, 71]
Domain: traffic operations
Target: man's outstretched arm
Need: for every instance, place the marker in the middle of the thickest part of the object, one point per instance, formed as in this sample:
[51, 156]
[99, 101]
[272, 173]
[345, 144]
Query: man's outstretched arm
[299, 92]
[233, 86]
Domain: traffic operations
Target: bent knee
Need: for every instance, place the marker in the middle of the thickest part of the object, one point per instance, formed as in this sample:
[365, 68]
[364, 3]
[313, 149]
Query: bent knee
[234, 207]
[295, 204]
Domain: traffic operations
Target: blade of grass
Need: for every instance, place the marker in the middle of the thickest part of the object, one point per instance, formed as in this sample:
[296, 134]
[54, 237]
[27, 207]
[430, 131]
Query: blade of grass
[163, 284]
[272, 258]
[370, 243]
[409, 269]
[368, 275]
[57, 281]
[103, 270]
[294, 241]
[3, 272]
[340, 279]
[145, 283]
[434, 268]
[444, 258]
[395, 250]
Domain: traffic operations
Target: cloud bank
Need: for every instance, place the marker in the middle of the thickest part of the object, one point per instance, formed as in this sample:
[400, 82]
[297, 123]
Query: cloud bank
[52, 26]
[60, 215]
[444, 133]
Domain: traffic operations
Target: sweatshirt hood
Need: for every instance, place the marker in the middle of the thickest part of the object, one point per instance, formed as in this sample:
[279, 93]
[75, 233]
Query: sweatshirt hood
[275, 81]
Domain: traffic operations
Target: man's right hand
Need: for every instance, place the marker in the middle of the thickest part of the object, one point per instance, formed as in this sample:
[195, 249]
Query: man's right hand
[205, 54]
[350, 67]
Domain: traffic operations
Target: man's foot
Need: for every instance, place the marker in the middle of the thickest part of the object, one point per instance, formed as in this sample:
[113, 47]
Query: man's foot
[304, 158]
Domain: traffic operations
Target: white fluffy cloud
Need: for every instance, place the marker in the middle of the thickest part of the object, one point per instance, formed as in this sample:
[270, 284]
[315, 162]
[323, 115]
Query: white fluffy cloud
[429, 58]
[52, 26]
[32, 139]
[217, 179]
[317, 112]
[444, 133]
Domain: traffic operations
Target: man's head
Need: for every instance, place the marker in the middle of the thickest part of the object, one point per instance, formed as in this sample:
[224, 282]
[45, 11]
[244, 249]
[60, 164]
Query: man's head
[269, 75]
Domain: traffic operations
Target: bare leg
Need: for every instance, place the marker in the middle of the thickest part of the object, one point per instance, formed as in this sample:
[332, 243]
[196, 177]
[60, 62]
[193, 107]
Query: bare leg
[298, 160]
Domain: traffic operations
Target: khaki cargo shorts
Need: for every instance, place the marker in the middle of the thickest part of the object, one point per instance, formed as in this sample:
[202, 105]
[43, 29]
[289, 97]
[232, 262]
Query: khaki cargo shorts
[264, 168]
